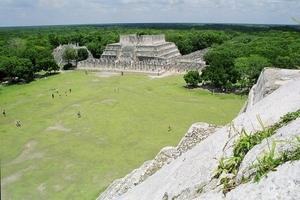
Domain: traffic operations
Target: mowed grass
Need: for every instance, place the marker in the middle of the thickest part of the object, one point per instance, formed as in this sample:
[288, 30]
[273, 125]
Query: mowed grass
[56, 155]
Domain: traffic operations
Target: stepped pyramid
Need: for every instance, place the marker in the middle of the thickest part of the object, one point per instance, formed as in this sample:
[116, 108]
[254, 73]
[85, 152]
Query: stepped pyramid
[141, 47]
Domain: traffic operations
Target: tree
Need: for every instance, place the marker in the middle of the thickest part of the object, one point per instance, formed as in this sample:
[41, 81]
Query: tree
[82, 54]
[185, 46]
[220, 70]
[53, 39]
[23, 69]
[192, 78]
[69, 54]
[15, 46]
[249, 68]
[95, 49]
[31, 53]
[48, 64]
[7, 66]
[286, 62]
[13, 67]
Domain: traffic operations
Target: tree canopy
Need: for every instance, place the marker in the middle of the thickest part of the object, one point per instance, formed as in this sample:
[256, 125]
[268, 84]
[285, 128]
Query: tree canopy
[82, 54]
[242, 58]
[277, 46]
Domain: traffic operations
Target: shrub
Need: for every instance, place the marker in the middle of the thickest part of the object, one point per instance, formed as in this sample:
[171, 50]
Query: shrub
[192, 78]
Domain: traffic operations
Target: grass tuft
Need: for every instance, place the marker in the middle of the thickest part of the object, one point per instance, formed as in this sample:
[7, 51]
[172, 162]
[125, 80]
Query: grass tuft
[265, 164]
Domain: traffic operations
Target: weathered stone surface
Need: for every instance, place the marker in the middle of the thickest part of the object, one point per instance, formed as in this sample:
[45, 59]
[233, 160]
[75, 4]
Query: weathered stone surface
[282, 184]
[141, 47]
[270, 80]
[284, 140]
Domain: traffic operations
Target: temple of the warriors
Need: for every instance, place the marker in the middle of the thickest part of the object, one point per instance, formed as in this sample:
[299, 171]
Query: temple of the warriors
[149, 54]
[136, 48]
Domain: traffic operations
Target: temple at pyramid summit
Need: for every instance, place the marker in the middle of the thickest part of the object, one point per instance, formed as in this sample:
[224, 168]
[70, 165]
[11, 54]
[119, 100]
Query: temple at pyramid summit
[141, 47]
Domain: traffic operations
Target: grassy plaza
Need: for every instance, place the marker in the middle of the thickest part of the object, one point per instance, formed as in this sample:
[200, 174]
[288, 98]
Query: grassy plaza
[124, 121]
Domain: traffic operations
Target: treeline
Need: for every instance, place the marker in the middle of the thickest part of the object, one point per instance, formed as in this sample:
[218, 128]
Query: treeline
[242, 58]
[237, 49]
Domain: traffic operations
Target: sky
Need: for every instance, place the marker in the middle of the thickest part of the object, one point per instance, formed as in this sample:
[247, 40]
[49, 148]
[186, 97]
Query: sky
[65, 12]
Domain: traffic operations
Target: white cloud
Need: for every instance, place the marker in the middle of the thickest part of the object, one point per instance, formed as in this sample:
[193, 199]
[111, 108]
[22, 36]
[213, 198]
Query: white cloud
[53, 3]
[31, 12]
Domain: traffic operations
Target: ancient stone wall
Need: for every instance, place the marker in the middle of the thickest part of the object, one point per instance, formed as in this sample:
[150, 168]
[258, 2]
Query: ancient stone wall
[142, 39]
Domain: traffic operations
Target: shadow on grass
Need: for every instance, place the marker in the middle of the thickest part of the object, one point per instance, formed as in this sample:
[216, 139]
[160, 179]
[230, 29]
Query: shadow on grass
[46, 74]
[213, 89]
[21, 81]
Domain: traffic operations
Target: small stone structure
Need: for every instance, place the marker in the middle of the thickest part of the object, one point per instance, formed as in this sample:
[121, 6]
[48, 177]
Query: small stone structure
[57, 53]
[149, 54]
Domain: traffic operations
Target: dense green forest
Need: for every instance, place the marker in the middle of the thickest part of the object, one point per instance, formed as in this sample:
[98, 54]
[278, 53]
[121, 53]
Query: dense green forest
[238, 54]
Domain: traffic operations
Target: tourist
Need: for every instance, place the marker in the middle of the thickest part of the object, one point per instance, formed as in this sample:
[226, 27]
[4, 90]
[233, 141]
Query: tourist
[169, 127]
[4, 113]
[17, 122]
[79, 114]
[70, 90]
[52, 96]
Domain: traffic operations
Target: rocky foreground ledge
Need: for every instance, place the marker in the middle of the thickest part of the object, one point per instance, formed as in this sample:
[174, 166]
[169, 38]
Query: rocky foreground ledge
[195, 168]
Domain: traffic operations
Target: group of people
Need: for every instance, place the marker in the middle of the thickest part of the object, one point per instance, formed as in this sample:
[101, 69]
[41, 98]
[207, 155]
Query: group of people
[17, 122]
[66, 93]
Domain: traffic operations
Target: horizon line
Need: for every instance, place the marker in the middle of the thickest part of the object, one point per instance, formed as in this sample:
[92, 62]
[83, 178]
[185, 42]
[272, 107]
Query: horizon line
[124, 23]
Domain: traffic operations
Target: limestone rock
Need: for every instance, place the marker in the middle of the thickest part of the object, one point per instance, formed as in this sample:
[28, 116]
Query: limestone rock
[282, 184]
[269, 80]
[283, 140]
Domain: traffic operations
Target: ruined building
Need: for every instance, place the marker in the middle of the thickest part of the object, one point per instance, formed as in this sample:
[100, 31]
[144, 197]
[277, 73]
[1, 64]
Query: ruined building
[135, 48]
[149, 54]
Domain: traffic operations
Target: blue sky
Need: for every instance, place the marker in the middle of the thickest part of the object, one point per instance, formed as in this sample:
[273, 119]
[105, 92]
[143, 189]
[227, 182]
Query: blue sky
[60, 12]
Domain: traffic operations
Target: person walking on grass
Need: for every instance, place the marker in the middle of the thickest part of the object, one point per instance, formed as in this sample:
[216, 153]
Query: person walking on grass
[4, 113]
[79, 114]
[18, 123]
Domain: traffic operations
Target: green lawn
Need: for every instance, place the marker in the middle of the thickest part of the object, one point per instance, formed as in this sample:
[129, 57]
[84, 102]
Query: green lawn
[56, 155]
